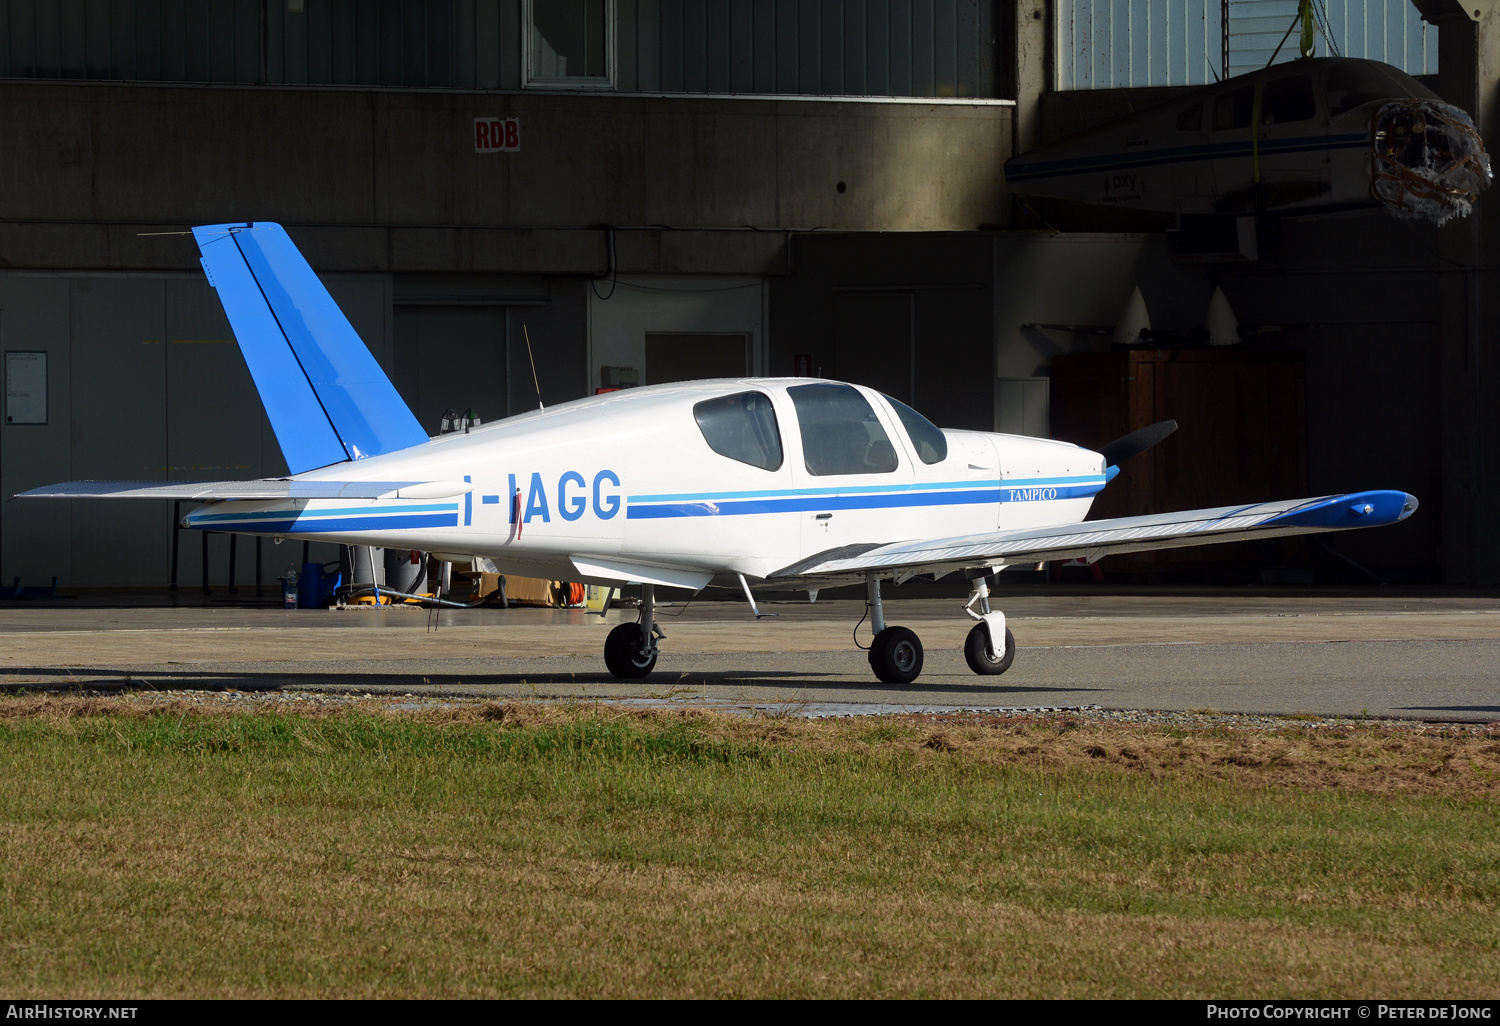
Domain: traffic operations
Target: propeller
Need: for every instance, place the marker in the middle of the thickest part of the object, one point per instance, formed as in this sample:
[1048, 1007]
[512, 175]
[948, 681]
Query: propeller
[1135, 443]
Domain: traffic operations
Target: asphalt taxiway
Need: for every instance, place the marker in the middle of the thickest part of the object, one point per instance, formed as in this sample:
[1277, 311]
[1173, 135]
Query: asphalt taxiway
[1375, 652]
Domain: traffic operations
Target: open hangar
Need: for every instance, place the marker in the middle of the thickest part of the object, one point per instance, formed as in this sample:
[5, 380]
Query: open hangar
[635, 192]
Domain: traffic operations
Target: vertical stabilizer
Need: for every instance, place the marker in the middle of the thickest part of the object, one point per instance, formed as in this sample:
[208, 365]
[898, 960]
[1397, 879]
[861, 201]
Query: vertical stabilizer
[327, 398]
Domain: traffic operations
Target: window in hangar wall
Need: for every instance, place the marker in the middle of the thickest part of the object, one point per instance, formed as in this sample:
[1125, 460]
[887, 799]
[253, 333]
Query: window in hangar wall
[1107, 44]
[918, 48]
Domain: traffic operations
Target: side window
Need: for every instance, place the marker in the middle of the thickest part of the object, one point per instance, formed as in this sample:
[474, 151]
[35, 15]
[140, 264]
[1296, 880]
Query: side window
[1233, 109]
[743, 427]
[926, 437]
[840, 434]
[569, 44]
[1287, 99]
[1191, 120]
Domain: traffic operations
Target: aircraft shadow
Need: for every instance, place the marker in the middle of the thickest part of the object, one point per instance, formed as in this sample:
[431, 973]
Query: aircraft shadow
[1473, 709]
[55, 679]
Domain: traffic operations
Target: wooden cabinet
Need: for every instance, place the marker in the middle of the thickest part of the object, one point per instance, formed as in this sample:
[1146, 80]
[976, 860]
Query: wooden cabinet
[1241, 438]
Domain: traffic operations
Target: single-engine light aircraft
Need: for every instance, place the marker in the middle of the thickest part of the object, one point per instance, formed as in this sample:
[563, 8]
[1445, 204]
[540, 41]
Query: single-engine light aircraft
[756, 483]
[1318, 134]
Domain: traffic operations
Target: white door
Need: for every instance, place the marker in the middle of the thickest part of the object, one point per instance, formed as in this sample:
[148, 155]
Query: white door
[851, 479]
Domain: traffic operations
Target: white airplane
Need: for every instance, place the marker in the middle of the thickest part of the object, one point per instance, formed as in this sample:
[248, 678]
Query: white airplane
[1329, 133]
[769, 483]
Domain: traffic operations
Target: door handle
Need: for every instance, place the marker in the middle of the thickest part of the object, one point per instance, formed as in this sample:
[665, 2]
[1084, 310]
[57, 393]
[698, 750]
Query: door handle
[823, 516]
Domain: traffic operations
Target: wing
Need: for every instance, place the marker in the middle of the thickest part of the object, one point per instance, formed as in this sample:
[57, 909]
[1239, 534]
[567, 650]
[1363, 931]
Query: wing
[273, 488]
[1094, 539]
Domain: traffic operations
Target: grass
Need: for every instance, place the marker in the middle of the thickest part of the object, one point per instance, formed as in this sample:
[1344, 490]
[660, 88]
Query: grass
[546, 851]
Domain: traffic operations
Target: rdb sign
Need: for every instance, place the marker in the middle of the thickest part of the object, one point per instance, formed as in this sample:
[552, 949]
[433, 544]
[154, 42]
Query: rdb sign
[492, 135]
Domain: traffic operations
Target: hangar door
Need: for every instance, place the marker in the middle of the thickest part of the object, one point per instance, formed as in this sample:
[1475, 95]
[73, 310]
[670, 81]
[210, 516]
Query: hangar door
[692, 356]
[930, 347]
[450, 356]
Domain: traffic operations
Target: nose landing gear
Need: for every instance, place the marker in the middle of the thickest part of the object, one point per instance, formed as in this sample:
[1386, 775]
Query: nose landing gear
[990, 647]
[630, 650]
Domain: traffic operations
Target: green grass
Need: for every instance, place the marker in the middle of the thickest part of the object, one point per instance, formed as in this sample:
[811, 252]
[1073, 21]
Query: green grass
[573, 852]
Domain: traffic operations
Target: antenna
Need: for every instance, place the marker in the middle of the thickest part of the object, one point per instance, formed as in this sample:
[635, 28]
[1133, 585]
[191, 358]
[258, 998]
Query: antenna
[533, 367]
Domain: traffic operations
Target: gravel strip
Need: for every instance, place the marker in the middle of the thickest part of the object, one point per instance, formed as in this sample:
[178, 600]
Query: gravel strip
[1202, 719]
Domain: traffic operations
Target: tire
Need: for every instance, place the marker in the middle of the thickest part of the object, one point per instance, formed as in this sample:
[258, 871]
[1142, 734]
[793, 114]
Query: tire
[896, 655]
[977, 652]
[622, 653]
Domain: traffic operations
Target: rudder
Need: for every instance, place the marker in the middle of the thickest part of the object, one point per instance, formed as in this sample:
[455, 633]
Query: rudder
[325, 394]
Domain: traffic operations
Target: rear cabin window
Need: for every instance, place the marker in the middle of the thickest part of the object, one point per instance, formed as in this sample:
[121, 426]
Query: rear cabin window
[742, 427]
[926, 437]
[1234, 109]
[840, 433]
[1191, 120]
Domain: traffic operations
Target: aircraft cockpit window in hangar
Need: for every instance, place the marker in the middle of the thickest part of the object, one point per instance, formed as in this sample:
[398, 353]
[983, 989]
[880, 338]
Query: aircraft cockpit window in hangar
[994, 211]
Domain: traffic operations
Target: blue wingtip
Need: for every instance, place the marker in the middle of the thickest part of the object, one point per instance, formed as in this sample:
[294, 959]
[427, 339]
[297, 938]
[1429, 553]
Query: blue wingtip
[1357, 509]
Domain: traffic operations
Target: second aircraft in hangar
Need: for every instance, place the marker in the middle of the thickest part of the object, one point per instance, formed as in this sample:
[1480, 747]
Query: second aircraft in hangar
[1317, 134]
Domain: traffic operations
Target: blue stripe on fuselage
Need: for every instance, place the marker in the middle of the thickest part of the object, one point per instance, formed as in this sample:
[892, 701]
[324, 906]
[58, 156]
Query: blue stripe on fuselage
[306, 514]
[783, 502]
[1181, 154]
[329, 524]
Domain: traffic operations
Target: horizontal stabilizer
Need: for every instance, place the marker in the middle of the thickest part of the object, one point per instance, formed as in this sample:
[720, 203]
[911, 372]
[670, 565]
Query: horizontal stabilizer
[275, 488]
[327, 398]
[1094, 539]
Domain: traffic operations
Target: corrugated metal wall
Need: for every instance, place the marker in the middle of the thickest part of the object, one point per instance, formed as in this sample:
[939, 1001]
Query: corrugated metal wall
[819, 47]
[827, 47]
[1105, 44]
[1109, 44]
[1384, 30]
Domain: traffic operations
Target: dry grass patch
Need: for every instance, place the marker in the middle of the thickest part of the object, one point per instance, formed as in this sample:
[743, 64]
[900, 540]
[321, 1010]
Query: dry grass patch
[526, 849]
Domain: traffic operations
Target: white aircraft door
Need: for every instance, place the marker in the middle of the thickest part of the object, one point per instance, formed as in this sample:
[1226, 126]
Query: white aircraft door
[851, 481]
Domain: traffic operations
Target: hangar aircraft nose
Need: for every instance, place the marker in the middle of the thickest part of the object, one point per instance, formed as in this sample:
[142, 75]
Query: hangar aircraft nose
[1427, 160]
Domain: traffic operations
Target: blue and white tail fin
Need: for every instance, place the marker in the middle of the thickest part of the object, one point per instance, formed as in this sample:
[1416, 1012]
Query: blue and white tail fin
[327, 398]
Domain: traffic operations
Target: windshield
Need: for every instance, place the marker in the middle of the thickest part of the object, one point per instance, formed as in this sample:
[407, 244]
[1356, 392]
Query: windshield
[1351, 83]
[926, 437]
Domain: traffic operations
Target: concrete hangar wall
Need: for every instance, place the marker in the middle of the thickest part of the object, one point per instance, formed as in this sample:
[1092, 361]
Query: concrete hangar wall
[633, 231]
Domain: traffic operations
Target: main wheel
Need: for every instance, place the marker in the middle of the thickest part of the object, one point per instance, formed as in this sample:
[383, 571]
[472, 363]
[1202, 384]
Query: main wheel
[623, 654]
[977, 651]
[896, 655]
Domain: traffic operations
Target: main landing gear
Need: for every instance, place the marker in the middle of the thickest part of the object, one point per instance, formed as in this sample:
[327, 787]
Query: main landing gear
[896, 652]
[630, 650]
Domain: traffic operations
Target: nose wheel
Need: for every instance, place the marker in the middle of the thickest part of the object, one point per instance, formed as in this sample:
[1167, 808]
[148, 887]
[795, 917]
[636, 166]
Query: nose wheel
[630, 650]
[990, 647]
[981, 655]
